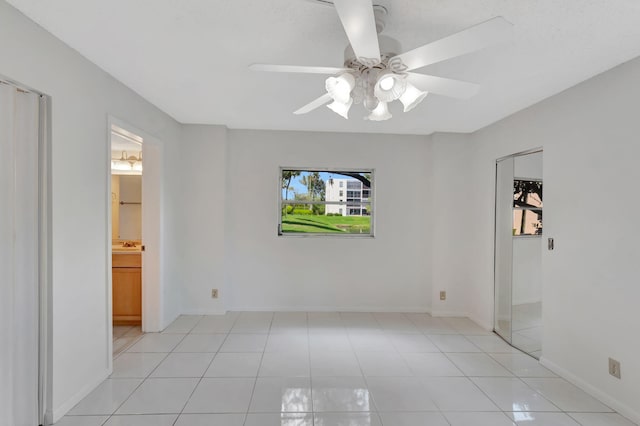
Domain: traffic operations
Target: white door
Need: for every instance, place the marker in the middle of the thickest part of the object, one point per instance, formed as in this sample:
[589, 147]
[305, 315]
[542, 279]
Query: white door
[151, 236]
[19, 261]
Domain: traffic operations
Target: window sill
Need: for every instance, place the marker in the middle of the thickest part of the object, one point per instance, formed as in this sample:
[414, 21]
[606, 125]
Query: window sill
[310, 235]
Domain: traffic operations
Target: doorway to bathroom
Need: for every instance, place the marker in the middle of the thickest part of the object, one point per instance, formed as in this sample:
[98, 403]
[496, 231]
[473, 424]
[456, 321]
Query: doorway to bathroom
[126, 237]
[134, 235]
[518, 251]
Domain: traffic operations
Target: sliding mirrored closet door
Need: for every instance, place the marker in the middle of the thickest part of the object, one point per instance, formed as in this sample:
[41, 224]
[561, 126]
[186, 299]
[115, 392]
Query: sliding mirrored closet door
[518, 251]
[503, 248]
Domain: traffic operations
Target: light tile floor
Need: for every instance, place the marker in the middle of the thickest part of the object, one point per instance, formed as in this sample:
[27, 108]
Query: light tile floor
[124, 336]
[527, 328]
[332, 369]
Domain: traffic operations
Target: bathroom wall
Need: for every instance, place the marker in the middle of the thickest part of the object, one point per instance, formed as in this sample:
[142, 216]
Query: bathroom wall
[130, 214]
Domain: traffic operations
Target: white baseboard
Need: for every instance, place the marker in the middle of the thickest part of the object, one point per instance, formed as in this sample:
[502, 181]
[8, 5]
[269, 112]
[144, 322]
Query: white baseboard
[48, 417]
[203, 312]
[447, 314]
[403, 309]
[439, 313]
[623, 409]
[527, 301]
[165, 324]
[484, 324]
[63, 409]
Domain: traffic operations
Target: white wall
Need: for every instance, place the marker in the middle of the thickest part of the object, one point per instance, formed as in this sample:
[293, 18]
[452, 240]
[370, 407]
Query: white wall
[202, 206]
[388, 272]
[590, 138]
[82, 97]
[454, 222]
[131, 214]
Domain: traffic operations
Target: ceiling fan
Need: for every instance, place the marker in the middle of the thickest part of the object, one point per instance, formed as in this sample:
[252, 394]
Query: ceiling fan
[375, 74]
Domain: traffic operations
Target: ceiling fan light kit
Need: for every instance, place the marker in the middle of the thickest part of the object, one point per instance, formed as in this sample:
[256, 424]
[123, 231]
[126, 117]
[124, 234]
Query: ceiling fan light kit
[340, 87]
[374, 74]
[341, 108]
[389, 86]
[411, 97]
[379, 113]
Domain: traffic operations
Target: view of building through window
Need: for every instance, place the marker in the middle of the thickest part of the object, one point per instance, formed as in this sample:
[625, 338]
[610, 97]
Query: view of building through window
[326, 202]
[527, 207]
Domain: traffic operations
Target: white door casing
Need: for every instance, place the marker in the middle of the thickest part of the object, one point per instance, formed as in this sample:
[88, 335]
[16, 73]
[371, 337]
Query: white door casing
[151, 236]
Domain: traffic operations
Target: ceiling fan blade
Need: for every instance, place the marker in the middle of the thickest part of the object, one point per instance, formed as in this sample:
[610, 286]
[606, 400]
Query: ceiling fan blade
[324, 99]
[444, 86]
[296, 69]
[478, 37]
[359, 23]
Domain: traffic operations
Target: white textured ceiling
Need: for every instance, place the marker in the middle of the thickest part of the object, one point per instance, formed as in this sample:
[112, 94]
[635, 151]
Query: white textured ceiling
[190, 57]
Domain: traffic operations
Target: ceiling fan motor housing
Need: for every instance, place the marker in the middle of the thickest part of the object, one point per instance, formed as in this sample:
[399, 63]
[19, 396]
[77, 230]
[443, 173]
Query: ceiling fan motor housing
[389, 47]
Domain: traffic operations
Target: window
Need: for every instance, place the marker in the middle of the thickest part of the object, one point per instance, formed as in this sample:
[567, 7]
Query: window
[312, 203]
[527, 207]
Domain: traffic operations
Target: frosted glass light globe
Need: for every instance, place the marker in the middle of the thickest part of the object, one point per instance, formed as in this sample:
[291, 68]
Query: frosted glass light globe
[339, 88]
[386, 83]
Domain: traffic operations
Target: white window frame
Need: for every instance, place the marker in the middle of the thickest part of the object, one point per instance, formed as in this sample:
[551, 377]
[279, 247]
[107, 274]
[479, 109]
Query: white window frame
[370, 202]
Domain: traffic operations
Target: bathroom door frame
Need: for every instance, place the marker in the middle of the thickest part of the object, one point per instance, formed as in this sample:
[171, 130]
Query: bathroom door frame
[152, 271]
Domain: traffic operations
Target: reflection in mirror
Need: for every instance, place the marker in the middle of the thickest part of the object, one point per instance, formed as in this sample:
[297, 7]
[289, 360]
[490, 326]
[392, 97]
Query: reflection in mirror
[527, 207]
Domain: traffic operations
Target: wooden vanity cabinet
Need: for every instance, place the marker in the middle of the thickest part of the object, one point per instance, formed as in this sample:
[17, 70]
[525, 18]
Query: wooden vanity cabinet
[127, 288]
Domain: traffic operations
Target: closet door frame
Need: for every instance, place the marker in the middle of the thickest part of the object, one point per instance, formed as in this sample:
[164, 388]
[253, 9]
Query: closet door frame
[42, 248]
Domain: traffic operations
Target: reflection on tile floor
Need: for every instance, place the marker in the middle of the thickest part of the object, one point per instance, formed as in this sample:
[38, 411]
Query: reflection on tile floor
[331, 369]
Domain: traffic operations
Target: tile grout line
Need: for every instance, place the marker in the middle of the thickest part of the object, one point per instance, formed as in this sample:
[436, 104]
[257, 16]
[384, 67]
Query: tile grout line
[359, 326]
[364, 377]
[255, 383]
[313, 415]
[421, 379]
[145, 378]
[205, 370]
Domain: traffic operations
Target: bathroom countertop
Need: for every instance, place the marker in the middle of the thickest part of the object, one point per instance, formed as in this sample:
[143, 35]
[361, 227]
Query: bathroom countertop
[125, 250]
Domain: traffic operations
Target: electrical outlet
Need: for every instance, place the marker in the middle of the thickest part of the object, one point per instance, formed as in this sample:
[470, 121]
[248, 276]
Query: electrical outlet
[214, 293]
[443, 295]
[614, 368]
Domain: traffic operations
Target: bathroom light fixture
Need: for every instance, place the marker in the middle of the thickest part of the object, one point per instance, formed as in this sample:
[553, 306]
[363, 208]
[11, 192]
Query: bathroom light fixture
[126, 163]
